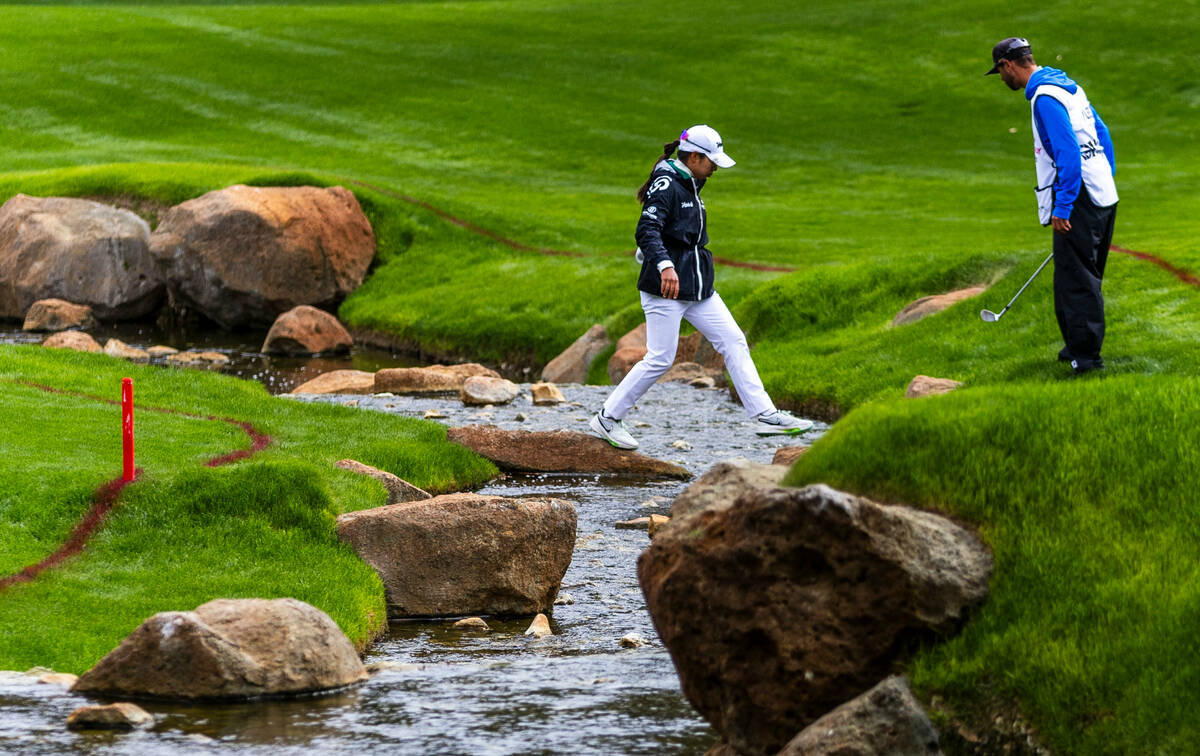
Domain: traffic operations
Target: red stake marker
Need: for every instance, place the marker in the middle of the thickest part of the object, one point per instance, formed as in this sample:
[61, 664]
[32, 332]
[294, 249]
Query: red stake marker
[127, 424]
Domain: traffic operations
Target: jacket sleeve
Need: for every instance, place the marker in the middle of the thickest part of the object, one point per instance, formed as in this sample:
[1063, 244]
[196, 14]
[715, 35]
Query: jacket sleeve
[1105, 141]
[655, 211]
[1054, 127]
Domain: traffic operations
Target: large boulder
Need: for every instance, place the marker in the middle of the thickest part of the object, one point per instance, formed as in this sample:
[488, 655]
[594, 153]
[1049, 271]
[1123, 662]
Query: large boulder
[885, 721]
[784, 603]
[77, 250]
[573, 364]
[228, 649]
[243, 255]
[558, 451]
[76, 340]
[339, 382]
[435, 379]
[926, 306]
[307, 330]
[57, 315]
[466, 554]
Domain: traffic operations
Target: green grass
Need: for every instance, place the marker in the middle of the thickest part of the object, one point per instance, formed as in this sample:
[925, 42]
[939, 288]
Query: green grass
[1086, 493]
[185, 533]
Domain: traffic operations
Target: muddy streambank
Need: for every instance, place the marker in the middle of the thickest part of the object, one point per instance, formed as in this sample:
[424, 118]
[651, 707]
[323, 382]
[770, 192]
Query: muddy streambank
[446, 692]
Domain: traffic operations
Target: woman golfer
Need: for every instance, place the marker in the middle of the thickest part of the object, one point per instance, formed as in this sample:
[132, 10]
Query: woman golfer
[676, 282]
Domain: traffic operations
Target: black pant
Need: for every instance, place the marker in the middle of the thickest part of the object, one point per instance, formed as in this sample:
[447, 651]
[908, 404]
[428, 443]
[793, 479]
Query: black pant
[1079, 259]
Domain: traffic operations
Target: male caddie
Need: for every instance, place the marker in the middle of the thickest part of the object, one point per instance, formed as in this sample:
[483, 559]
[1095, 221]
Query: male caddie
[1076, 194]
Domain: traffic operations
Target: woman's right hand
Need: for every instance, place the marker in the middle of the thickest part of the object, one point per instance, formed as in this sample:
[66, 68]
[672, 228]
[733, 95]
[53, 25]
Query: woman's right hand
[670, 283]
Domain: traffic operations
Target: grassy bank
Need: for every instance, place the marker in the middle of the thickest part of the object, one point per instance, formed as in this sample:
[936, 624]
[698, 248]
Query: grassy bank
[185, 533]
[1086, 493]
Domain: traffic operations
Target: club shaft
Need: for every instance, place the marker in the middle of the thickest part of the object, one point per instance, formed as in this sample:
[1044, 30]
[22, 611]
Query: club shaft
[1026, 286]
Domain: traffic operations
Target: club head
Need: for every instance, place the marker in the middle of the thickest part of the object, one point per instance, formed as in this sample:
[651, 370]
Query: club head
[988, 316]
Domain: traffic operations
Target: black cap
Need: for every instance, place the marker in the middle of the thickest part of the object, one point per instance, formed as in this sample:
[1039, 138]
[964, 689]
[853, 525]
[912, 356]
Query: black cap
[1012, 48]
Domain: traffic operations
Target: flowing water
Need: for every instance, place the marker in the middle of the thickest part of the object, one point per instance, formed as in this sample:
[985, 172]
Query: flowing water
[441, 691]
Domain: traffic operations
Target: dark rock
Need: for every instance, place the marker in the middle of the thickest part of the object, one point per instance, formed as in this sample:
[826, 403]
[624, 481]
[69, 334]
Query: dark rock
[77, 250]
[808, 596]
[887, 720]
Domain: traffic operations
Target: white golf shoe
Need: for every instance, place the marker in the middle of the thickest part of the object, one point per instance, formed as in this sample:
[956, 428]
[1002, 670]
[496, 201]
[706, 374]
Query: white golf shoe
[780, 423]
[612, 431]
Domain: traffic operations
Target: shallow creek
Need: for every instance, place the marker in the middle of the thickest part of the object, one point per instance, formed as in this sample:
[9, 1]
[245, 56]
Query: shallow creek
[446, 692]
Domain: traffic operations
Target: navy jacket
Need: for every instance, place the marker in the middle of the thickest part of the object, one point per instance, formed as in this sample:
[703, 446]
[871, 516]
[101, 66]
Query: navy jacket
[674, 227]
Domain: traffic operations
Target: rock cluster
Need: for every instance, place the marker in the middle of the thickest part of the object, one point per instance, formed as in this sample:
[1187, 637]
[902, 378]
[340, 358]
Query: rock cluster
[806, 593]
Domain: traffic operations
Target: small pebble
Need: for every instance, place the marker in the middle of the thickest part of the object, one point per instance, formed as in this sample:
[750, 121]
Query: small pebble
[540, 627]
[472, 623]
[640, 424]
[564, 599]
[681, 445]
[521, 417]
[433, 414]
[632, 640]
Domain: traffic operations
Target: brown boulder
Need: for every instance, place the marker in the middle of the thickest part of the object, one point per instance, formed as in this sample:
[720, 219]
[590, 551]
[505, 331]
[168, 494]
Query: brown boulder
[807, 595]
[544, 394]
[787, 455]
[923, 385]
[623, 361]
[399, 490]
[243, 255]
[57, 315]
[118, 716]
[634, 339]
[228, 649]
[479, 390]
[465, 553]
[307, 330]
[558, 451]
[884, 721]
[722, 484]
[339, 382]
[76, 340]
[926, 306]
[77, 250]
[573, 364]
[435, 379]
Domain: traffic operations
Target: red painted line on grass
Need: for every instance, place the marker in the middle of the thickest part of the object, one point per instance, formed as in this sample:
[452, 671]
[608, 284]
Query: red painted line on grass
[1183, 275]
[444, 215]
[106, 496]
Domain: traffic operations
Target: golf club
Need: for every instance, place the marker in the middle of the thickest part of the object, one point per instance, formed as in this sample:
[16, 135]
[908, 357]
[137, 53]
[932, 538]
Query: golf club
[991, 317]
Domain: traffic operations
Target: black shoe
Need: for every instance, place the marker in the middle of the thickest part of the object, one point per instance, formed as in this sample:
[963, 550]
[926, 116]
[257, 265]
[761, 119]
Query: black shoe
[1064, 355]
[1086, 367]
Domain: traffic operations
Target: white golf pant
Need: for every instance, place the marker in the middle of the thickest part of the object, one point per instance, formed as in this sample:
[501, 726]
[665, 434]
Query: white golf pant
[710, 317]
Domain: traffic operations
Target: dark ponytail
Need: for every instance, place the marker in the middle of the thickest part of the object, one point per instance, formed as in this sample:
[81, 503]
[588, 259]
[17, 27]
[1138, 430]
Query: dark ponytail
[668, 150]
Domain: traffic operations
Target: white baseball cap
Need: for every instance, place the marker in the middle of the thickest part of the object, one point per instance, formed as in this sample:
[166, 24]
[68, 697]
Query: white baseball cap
[706, 141]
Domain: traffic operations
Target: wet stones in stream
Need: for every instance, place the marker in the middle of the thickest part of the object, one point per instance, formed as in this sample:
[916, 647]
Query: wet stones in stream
[466, 554]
